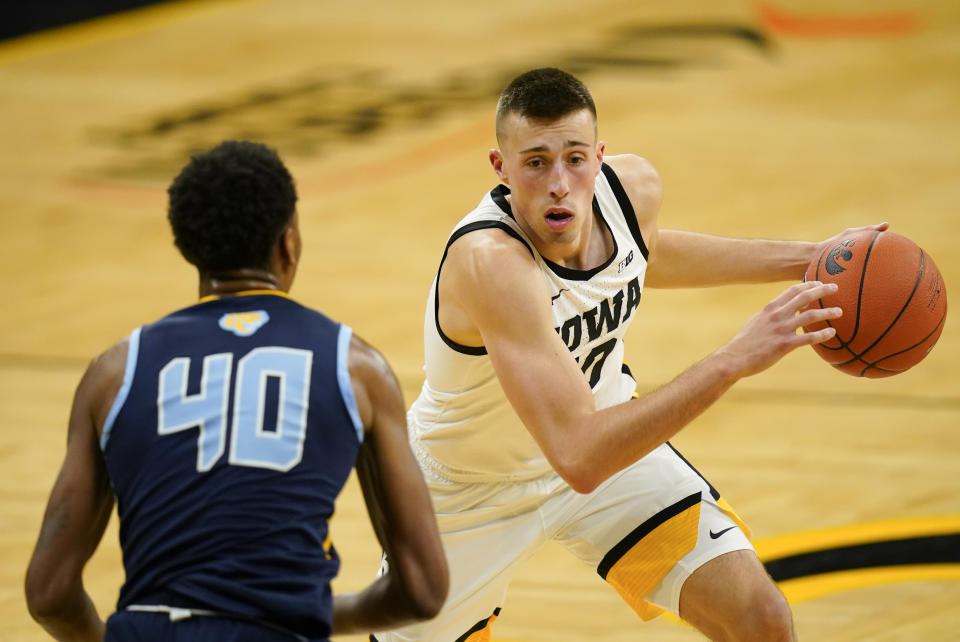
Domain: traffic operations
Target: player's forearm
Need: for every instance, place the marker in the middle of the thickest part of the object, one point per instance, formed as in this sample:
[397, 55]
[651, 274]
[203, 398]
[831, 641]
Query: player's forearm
[382, 605]
[618, 436]
[688, 259]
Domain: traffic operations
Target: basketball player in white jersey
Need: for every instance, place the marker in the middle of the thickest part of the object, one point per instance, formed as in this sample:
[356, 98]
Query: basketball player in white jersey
[526, 427]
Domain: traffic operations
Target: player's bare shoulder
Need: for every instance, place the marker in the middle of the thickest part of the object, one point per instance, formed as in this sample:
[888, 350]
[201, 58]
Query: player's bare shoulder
[642, 184]
[483, 265]
[485, 277]
[102, 381]
[373, 381]
[482, 255]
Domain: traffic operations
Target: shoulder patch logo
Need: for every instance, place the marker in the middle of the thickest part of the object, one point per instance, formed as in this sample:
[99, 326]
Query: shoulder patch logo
[244, 324]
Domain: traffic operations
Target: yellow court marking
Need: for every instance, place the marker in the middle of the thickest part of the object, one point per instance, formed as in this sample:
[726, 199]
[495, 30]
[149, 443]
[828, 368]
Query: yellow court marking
[127, 23]
[852, 534]
[802, 589]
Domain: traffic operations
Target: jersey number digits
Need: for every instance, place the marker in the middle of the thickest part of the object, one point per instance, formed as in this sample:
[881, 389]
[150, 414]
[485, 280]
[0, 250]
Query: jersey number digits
[250, 444]
[598, 354]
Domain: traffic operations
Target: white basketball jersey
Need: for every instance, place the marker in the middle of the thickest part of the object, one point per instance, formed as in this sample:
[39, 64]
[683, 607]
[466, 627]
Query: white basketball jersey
[462, 423]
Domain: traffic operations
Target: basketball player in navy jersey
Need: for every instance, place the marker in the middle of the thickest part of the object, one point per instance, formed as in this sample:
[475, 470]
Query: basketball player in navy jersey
[224, 432]
[525, 428]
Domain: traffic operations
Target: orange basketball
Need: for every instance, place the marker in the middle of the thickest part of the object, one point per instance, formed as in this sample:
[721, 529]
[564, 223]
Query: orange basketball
[893, 298]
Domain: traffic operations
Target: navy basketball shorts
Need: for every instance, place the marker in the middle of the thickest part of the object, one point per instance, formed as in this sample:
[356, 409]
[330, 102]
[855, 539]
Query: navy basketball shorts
[138, 626]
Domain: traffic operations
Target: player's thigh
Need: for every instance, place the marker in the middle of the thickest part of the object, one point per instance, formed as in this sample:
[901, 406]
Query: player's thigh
[732, 596]
[648, 528]
[717, 534]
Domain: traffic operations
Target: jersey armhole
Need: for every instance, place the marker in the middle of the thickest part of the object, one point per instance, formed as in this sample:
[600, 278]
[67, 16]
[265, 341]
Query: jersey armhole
[344, 381]
[133, 350]
[475, 351]
[629, 215]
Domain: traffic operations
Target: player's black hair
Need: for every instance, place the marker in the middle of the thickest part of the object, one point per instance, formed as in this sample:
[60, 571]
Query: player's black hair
[229, 205]
[544, 94]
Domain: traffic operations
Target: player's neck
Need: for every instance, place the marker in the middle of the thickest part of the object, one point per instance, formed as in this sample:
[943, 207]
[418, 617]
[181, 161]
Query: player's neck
[227, 283]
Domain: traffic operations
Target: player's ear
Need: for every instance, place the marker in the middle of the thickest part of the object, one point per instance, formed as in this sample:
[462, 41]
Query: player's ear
[290, 242]
[287, 254]
[496, 161]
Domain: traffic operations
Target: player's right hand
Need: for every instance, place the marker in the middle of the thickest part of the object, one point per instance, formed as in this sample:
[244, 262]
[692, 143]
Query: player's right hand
[774, 331]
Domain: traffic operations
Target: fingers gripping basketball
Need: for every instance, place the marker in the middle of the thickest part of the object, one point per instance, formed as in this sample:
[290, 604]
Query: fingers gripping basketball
[893, 298]
[771, 333]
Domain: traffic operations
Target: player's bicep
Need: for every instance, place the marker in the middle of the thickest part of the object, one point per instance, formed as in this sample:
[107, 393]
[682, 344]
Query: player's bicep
[81, 500]
[510, 304]
[396, 496]
[78, 509]
[381, 409]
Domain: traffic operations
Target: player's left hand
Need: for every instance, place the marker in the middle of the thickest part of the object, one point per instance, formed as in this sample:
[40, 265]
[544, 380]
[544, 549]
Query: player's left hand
[834, 240]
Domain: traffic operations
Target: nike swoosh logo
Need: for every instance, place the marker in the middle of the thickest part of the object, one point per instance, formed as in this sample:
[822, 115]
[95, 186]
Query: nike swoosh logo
[716, 535]
[557, 295]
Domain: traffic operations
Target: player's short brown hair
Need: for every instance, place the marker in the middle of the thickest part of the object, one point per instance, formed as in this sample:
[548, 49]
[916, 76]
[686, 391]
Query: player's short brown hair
[543, 94]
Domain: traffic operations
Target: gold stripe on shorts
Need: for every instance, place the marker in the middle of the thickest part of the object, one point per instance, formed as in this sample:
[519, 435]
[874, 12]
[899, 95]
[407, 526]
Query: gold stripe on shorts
[641, 559]
[732, 514]
[481, 630]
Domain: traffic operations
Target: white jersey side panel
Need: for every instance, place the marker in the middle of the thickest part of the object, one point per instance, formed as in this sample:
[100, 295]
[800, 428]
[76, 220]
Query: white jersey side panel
[462, 423]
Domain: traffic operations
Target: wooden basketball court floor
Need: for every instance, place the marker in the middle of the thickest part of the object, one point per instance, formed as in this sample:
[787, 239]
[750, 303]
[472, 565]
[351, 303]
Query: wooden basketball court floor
[785, 119]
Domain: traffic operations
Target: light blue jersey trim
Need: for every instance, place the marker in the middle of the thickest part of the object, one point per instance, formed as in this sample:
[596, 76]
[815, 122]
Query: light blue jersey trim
[343, 378]
[133, 348]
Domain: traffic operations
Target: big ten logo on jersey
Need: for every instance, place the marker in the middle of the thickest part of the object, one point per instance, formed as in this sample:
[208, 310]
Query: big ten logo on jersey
[244, 324]
[602, 320]
[267, 395]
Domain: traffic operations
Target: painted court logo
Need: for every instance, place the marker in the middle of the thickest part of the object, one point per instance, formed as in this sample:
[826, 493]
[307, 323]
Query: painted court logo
[244, 324]
[839, 252]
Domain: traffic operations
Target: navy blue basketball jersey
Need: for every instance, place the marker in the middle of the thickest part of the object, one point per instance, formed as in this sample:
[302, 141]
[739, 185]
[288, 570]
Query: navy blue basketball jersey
[233, 432]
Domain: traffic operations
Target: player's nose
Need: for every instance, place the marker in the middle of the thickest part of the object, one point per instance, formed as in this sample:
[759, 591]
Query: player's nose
[559, 181]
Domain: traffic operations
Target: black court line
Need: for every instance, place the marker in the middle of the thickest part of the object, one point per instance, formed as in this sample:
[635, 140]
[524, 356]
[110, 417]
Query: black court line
[935, 549]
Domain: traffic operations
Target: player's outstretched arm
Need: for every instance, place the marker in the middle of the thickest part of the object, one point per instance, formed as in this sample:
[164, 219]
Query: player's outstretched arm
[680, 259]
[415, 586]
[689, 259]
[495, 284]
[77, 512]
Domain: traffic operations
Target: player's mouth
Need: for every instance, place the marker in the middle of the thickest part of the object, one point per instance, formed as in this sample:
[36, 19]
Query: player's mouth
[558, 218]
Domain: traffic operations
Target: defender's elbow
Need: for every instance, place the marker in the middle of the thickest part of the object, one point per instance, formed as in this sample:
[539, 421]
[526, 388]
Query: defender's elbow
[45, 599]
[426, 607]
[427, 602]
[424, 603]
